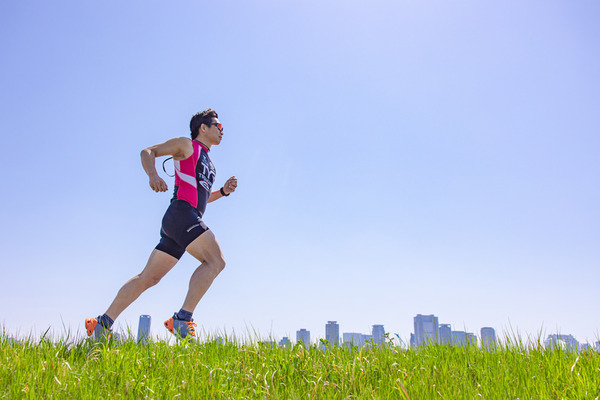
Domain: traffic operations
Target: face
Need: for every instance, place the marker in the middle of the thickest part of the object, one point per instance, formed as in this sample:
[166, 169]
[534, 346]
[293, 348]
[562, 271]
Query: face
[212, 133]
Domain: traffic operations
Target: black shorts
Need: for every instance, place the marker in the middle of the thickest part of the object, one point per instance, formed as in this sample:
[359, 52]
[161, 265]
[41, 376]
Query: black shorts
[181, 225]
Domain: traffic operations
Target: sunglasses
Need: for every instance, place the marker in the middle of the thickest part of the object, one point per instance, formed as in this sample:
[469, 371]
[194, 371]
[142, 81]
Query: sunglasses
[218, 124]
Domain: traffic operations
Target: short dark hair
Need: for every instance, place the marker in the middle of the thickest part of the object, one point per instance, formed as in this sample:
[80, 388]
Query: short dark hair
[203, 117]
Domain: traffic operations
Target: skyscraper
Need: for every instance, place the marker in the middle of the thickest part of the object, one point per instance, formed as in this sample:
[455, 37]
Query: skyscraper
[354, 339]
[303, 336]
[144, 328]
[445, 334]
[488, 337]
[378, 334]
[332, 333]
[426, 329]
[563, 341]
[285, 342]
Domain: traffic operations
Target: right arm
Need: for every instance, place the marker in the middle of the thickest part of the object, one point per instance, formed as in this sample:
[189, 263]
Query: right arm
[180, 148]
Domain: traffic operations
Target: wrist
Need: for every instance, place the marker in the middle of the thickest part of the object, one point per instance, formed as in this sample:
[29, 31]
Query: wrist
[223, 192]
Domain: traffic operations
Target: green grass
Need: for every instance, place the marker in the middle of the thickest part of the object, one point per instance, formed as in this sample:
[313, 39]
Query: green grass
[158, 370]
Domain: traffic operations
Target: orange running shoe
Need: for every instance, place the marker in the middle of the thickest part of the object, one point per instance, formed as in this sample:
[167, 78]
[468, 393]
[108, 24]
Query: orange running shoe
[181, 328]
[96, 330]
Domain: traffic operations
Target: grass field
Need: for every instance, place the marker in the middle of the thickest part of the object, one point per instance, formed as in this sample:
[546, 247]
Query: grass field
[159, 370]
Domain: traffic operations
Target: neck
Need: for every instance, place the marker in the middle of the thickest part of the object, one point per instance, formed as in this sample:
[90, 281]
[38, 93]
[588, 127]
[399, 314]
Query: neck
[202, 143]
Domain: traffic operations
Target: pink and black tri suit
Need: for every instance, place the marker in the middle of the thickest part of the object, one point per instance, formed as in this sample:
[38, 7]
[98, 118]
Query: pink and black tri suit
[182, 222]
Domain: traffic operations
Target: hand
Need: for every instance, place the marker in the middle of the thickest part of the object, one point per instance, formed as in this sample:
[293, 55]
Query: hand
[158, 184]
[230, 185]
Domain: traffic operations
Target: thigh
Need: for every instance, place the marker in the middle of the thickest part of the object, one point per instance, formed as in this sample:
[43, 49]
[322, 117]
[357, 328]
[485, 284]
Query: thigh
[205, 248]
[159, 264]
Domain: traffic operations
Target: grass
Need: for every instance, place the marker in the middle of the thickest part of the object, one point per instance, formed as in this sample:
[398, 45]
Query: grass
[213, 370]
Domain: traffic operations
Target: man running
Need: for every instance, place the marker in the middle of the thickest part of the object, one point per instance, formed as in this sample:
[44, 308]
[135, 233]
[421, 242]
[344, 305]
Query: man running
[182, 226]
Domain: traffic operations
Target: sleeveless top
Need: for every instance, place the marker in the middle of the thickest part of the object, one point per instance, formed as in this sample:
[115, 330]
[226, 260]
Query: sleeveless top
[194, 178]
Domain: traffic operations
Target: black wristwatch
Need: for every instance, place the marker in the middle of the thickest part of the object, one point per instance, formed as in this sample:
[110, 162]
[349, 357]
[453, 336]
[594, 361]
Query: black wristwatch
[223, 192]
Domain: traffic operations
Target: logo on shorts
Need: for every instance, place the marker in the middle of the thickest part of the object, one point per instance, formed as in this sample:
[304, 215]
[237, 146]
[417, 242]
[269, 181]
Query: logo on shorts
[200, 223]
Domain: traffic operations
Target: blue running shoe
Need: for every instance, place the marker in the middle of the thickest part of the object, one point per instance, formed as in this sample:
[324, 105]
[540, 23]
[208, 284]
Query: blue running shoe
[181, 328]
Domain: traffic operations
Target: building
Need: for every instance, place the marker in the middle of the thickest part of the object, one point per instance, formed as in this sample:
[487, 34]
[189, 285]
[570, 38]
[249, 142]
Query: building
[471, 338]
[445, 334]
[562, 341]
[332, 333]
[462, 338]
[488, 337]
[355, 339]
[426, 329]
[378, 334]
[144, 328]
[285, 342]
[303, 336]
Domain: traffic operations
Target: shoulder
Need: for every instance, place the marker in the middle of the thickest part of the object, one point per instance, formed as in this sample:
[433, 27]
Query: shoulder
[183, 147]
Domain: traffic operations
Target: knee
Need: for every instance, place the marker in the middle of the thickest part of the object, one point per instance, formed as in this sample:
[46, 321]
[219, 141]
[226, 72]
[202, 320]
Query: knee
[219, 264]
[150, 281]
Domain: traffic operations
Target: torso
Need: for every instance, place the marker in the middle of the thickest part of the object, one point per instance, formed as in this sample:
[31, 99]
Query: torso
[194, 177]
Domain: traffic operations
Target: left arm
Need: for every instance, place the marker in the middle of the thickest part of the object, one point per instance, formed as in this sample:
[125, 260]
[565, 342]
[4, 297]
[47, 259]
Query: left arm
[228, 188]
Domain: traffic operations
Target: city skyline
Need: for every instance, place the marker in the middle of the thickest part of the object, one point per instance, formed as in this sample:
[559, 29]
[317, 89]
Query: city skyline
[427, 330]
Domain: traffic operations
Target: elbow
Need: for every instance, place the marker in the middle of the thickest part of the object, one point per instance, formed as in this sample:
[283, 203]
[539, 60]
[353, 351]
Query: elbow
[146, 153]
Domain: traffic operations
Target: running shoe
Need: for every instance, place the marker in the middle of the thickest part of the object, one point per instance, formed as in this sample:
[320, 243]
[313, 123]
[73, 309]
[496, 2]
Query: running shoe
[96, 330]
[181, 328]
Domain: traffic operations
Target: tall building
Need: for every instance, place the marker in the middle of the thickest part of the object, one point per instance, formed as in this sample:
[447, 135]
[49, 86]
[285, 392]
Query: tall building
[378, 334]
[285, 342]
[426, 329]
[354, 339]
[332, 333]
[144, 328]
[445, 332]
[462, 338]
[303, 336]
[564, 341]
[488, 337]
[471, 338]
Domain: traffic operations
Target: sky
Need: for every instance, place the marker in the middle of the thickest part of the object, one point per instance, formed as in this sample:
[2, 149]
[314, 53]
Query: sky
[394, 158]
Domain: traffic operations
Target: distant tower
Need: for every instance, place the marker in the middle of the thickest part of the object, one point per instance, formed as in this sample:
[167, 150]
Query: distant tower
[332, 333]
[378, 334]
[471, 339]
[426, 329]
[285, 342]
[144, 328]
[459, 338]
[354, 339]
[488, 337]
[303, 336]
[445, 334]
[562, 341]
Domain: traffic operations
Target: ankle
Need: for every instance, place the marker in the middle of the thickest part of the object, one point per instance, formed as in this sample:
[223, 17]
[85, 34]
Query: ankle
[183, 315]
[105, 321]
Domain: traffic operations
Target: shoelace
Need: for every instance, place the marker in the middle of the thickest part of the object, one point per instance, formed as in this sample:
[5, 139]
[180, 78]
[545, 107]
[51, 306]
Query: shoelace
[191, 328]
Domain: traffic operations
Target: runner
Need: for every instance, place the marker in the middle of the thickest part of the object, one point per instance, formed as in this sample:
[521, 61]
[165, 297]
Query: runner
[182, 226]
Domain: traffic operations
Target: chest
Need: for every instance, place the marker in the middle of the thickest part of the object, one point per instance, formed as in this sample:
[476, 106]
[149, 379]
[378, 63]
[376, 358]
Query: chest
[205, 169]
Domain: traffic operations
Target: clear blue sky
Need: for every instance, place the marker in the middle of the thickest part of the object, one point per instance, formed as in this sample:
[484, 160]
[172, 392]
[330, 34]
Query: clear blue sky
[393, 157]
